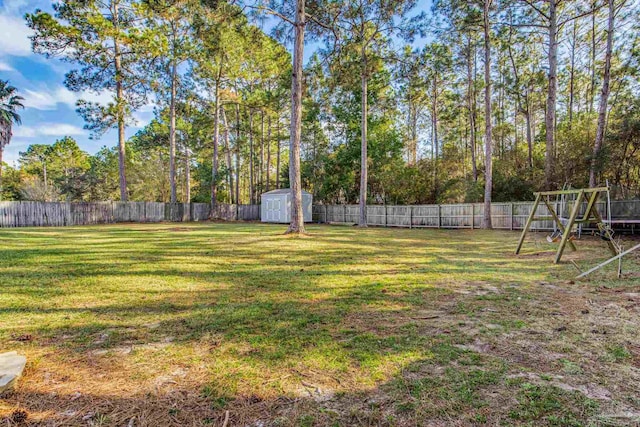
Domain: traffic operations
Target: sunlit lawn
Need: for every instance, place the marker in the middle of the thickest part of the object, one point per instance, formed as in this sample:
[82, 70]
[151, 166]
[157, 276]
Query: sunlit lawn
[184, 324]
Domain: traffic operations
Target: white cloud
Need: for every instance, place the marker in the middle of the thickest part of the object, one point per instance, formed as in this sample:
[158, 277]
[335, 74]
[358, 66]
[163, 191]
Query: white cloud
[47, 129]
[141, 120]
[65, 96]
[14, 36]
[24, 132]
[6, 67]
[49, 99]
[40, 100]
[145, 114]
[60, 129]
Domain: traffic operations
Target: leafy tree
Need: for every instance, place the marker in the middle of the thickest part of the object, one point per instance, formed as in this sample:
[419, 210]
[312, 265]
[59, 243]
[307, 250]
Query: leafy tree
[337, 162]
[604, 96]
[35, 162]
[103, 175]
[35, 190]
[169, 22]
[104, 38]
[11, 183]
[364, 28]
[67, 167]
[551, 17]
[62, 165]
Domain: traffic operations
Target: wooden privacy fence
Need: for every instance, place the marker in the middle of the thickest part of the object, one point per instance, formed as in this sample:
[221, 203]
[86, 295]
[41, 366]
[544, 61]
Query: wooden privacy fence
[505, 216]
[35, 214]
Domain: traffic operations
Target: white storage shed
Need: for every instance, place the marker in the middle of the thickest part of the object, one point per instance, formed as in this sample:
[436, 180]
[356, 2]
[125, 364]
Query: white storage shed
[276, 206]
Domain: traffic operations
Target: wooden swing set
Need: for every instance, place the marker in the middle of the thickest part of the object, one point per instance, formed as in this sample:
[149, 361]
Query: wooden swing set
[591, 216]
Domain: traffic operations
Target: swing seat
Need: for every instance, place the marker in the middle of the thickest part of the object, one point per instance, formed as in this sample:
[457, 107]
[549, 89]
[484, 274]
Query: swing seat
[606, 235]
[605, 232]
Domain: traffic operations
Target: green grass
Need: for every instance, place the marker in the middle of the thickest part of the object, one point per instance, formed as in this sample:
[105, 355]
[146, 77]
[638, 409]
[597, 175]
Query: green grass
[176, 324]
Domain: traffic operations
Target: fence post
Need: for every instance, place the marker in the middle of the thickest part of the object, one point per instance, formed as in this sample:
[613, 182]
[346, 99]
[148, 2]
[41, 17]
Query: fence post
[511, 215]
[439, 215]
[473, 215]
[385, 214]
[344, 214]
[410, 216]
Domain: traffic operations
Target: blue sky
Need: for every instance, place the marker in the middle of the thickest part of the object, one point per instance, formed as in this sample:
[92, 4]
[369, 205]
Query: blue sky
[49, 111]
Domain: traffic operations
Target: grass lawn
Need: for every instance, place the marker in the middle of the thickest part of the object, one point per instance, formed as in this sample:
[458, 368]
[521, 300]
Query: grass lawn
[184, 324]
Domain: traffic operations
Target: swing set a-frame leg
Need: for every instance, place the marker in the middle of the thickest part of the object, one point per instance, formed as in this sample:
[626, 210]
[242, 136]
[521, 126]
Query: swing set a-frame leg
[569, 226]
[559, 224]
[528, 224]
[592, 213]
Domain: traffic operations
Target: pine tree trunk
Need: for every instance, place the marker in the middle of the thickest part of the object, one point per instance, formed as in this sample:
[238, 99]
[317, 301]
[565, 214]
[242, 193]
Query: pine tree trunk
[500, 112]
[297, 219]
[278, 153]
[251, 177]
[436, 143]
[471, 100]
[268, 153]
[572, 67]
[412, 132]
[187, 174]
[516, 136]
[550, 115]
[172, 135]
[227, 152]
[488, 183]
[121, 154]
[604, 98]
[414, 136]
[592, 80]
[120, 110]
[527, 117]
[237, 148]
[216, 136]
[261, 166]
[362, 220]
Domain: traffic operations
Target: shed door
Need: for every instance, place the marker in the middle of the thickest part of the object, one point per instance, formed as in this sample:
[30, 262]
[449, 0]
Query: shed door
[273, 209]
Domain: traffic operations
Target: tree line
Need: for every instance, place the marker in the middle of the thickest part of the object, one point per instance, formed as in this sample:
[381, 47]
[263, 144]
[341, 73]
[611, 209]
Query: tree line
[466, 101]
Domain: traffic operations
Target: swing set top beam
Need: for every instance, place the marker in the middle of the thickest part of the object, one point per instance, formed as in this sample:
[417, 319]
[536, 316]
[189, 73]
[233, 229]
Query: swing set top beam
[560, 192]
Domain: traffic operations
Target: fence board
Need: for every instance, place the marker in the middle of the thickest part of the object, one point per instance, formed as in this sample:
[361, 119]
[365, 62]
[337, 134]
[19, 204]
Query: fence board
[248, 212]
[200, 211]
[223, 211]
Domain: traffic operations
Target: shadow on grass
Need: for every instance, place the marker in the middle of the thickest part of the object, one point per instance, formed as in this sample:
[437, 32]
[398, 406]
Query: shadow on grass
[278, 292]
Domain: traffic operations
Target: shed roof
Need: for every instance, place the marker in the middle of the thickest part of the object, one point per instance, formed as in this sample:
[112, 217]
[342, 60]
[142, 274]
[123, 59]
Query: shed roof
[283, 191]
